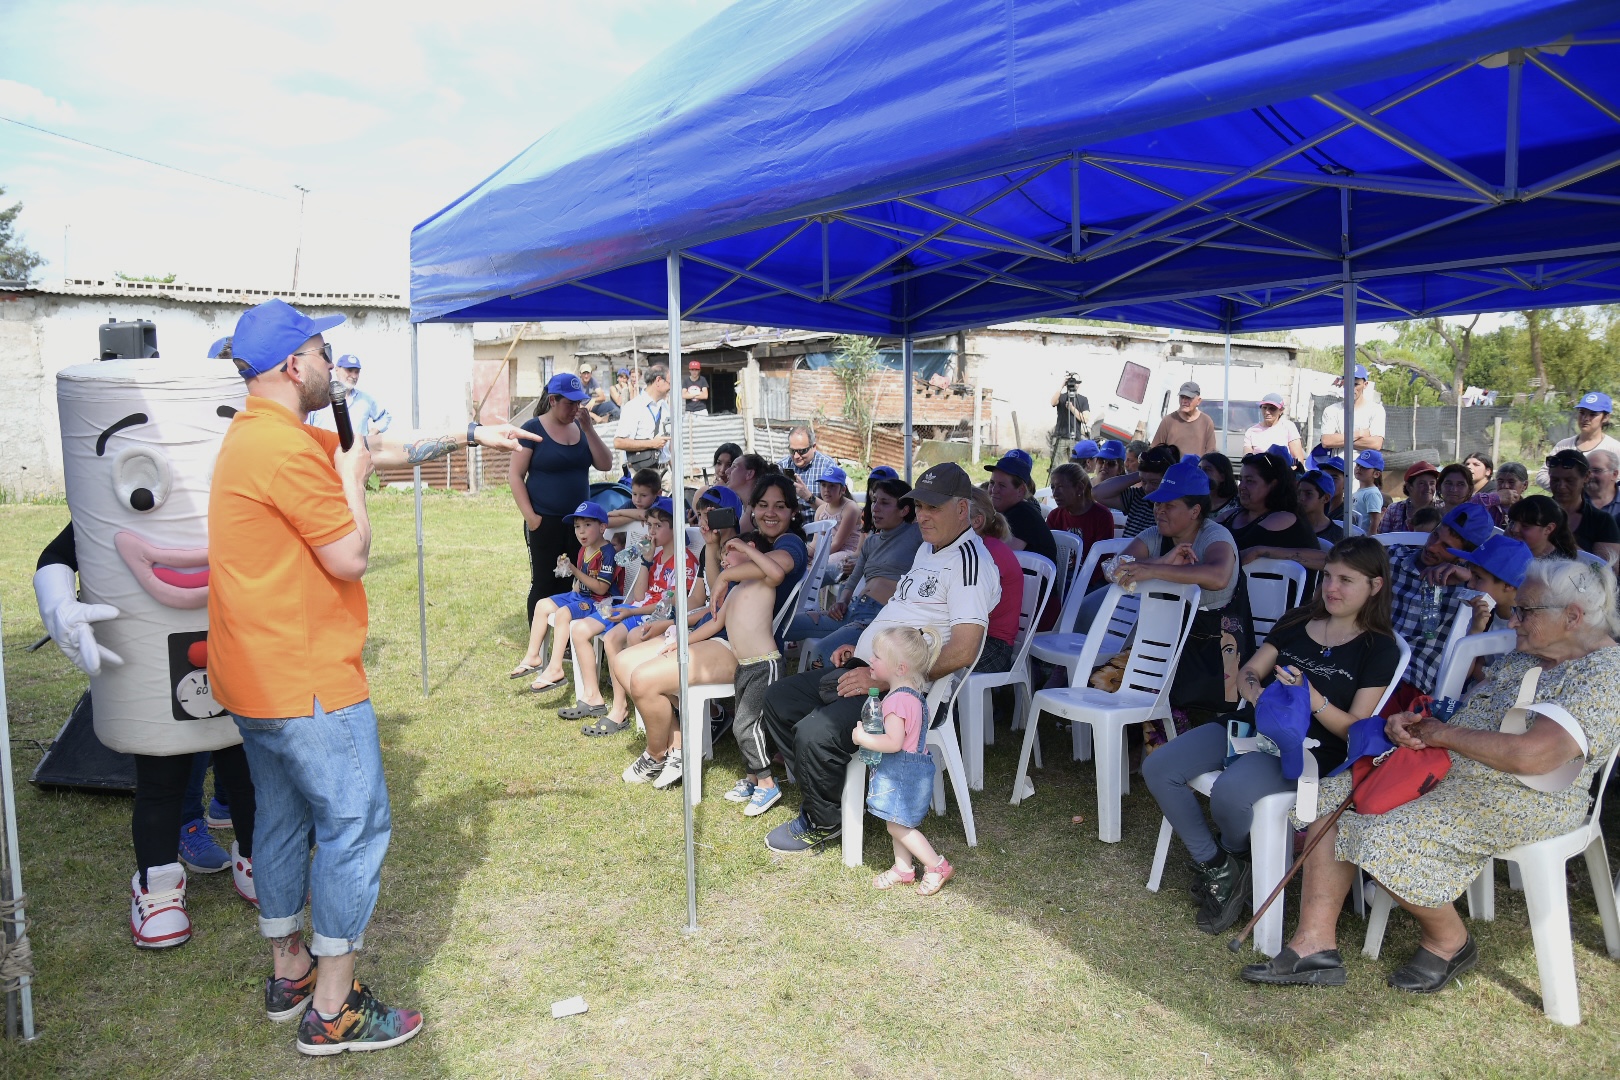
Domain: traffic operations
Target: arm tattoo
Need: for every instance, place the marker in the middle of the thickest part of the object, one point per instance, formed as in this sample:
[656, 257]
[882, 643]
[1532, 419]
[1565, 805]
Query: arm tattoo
[430, 449]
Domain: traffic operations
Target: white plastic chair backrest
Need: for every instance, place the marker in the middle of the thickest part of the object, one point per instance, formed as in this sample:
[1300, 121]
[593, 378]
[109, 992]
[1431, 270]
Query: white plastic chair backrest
[1458, 631]
[694, 541]
[807, 592]
[1588, 557]
[942, 692]
[1400, 539]
[1070, 551]
[1162, 625]
[1459, 660]
[1082, 578]
[814, 529]
[1119, 518]
[1275, 587]
[1603, 783]
[1324, 543]
[1039, 574]
[1400, 673]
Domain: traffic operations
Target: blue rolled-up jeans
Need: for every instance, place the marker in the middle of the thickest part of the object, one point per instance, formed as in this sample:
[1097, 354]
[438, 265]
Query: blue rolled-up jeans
[832, 632]
[323, 771]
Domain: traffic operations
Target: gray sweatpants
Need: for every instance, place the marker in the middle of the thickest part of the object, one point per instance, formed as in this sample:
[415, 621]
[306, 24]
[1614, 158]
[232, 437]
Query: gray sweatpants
[751, 683]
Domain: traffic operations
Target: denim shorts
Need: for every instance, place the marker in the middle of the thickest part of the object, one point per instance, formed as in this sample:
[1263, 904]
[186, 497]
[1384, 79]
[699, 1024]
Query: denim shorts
[900, 788]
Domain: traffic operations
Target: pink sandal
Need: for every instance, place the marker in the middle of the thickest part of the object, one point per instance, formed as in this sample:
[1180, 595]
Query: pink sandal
[892, 877]
[935, 877]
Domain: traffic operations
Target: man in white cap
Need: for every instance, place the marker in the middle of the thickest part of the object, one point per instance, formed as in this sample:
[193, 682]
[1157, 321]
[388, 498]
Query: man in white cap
[289, 540]
[1189, 429]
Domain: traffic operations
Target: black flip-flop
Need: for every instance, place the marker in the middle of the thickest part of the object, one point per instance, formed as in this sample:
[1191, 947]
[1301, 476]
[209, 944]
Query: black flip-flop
[605, 726]
[582, 712]
[523, 673]
[549, 687]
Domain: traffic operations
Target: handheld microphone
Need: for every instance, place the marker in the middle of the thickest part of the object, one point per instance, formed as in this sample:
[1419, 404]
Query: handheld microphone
[340, 414]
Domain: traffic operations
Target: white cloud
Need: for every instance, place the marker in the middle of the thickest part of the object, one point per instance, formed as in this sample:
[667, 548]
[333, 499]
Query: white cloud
[23, 102]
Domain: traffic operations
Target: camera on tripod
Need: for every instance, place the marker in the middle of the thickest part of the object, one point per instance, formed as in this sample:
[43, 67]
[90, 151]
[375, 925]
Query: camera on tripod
[1071, 382]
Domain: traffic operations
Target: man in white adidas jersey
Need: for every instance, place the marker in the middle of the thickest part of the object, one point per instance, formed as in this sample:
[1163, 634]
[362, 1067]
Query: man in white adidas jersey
[952, 587]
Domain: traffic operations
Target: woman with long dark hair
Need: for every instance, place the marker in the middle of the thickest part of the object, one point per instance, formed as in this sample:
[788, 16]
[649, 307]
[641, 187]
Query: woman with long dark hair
[1222, 483]
[551, 477]
[1342, 647]
[1543, 526]
[1267, 513]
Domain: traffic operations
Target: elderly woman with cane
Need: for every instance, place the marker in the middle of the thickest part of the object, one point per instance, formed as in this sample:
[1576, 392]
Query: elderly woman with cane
[1508, 784]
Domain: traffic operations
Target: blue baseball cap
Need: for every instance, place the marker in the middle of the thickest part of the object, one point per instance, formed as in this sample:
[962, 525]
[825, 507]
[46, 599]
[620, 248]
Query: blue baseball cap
[1084, 450]
[1502, 557]
[567, 385]
[219, 348]
[1366, 738]
[1191, 459]
[269, 333]
[1283, 715]
[882, 472]
[1111, 450]
[1278, 450]
[1361, 372]
[1370, 459]
[350, 361]
[834, 475]
[590, 510]
[1471, 521]
[1322, 482]
[1333, 462]
[720, 495]
[1596, 402]
[1318, 454]
[1182, 478]
[664, 505]
[1016, 464]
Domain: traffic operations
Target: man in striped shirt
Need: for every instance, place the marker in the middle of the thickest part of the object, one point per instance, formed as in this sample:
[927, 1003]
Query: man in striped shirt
[952, 587]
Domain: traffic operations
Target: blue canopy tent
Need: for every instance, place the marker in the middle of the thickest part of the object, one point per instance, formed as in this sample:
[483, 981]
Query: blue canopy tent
[906, 168]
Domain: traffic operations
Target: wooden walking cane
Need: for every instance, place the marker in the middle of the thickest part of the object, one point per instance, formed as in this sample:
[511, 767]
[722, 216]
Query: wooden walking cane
[1236, 944]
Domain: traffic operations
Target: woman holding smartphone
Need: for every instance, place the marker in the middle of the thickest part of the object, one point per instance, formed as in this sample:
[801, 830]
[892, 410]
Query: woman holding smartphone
[1341, 646]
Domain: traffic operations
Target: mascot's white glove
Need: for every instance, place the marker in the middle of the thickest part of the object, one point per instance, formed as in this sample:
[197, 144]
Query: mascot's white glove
[69, 622]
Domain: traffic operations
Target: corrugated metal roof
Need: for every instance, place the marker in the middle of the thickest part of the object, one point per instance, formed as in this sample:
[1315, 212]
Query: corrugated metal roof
[229, 294]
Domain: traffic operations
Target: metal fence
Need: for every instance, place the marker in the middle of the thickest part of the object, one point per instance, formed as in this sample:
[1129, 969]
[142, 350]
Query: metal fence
[1432, 429]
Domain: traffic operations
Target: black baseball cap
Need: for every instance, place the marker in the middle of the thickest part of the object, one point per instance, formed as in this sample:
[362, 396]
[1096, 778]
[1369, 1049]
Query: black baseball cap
[941, 484]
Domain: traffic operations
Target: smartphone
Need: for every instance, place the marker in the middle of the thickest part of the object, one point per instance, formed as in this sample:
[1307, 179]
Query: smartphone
[1236, 729]
[722, 517]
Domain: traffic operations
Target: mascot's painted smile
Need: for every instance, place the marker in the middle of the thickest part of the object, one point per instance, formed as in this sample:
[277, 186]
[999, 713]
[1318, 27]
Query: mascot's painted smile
[174, 577]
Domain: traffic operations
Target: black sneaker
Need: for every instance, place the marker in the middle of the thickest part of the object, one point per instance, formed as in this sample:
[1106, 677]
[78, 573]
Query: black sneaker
[800, 835]
[286, 999]
[1226, 890]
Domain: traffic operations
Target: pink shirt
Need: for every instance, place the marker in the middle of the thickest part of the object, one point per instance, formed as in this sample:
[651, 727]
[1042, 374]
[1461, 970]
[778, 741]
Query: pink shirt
[1004, 616]
[909, 709]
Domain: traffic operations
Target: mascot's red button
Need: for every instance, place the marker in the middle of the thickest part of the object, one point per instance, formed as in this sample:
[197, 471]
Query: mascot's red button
[197, 653]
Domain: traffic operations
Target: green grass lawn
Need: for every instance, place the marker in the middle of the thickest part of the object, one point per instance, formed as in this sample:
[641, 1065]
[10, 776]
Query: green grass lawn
[523, 872]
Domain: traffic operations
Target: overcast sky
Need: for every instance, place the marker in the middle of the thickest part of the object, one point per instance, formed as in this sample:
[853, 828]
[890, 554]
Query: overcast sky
[386, 112]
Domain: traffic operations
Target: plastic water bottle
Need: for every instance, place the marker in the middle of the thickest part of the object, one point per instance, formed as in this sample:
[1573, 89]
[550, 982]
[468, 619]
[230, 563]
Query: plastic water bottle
[1429, 613]
[872, 721]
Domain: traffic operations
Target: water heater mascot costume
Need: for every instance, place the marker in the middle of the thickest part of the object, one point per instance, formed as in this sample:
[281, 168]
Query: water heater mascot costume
[139, 438]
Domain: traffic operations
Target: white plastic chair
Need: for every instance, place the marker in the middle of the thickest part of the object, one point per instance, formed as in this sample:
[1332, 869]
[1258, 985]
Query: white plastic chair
[808, 597]
[1039, 574]
[1457, 633]
[1402, 539]
[941, 740]
[1324, 543]
[1165, 620]
[1546, 898]
[1276, 586]
[1070, 553]
[1587, 557]
[1120, 518]
[1271, 837]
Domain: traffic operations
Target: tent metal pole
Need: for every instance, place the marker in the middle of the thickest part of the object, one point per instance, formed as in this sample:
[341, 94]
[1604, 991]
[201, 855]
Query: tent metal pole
[691, 734]
[25, 983]
[1226, 394]
[1349, 450]
[416, 476]
[907, 367]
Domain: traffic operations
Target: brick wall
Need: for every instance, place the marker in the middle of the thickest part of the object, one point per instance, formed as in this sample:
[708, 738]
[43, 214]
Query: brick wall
[819, 393]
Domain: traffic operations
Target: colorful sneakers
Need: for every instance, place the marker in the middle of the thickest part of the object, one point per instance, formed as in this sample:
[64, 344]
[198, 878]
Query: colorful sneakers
[218, 815]
[157, 913]
[242, 875]
[643, 769]
[198, 851]
[742, 791]
[285, 999]
[763, 799]
[364, 1023]
[670, 774]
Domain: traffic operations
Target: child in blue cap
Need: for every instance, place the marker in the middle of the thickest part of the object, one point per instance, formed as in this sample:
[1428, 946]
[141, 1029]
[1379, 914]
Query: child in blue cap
[593, 574]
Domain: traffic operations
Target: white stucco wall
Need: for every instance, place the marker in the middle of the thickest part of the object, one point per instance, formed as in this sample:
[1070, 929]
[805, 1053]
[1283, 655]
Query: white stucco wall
[40, 334]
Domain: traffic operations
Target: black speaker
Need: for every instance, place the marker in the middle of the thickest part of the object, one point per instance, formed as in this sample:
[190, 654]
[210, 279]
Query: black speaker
[128, 340]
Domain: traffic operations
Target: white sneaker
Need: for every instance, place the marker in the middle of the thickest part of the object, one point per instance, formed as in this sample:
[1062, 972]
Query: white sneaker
[242, 875]
[157, 913]
[643, 769]
[671, 773]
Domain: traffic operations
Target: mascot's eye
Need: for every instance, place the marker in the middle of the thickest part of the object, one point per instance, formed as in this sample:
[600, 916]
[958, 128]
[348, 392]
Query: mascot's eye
[141, 479]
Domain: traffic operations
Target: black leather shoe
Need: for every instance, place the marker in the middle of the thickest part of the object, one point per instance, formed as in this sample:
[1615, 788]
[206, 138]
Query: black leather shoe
[1288, 968]
[1426, 973]
[1226, 891]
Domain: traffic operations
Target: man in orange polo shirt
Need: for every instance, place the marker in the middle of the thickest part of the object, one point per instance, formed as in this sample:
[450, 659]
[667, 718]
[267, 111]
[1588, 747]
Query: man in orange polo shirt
[289, 540]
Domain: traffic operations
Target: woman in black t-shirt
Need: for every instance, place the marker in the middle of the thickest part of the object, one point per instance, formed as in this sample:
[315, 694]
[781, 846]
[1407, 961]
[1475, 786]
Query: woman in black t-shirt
[1267, 513]
[1343, 646]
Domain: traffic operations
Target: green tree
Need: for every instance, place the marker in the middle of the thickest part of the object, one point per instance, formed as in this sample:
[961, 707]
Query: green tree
[17, 262]
[855, 361]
